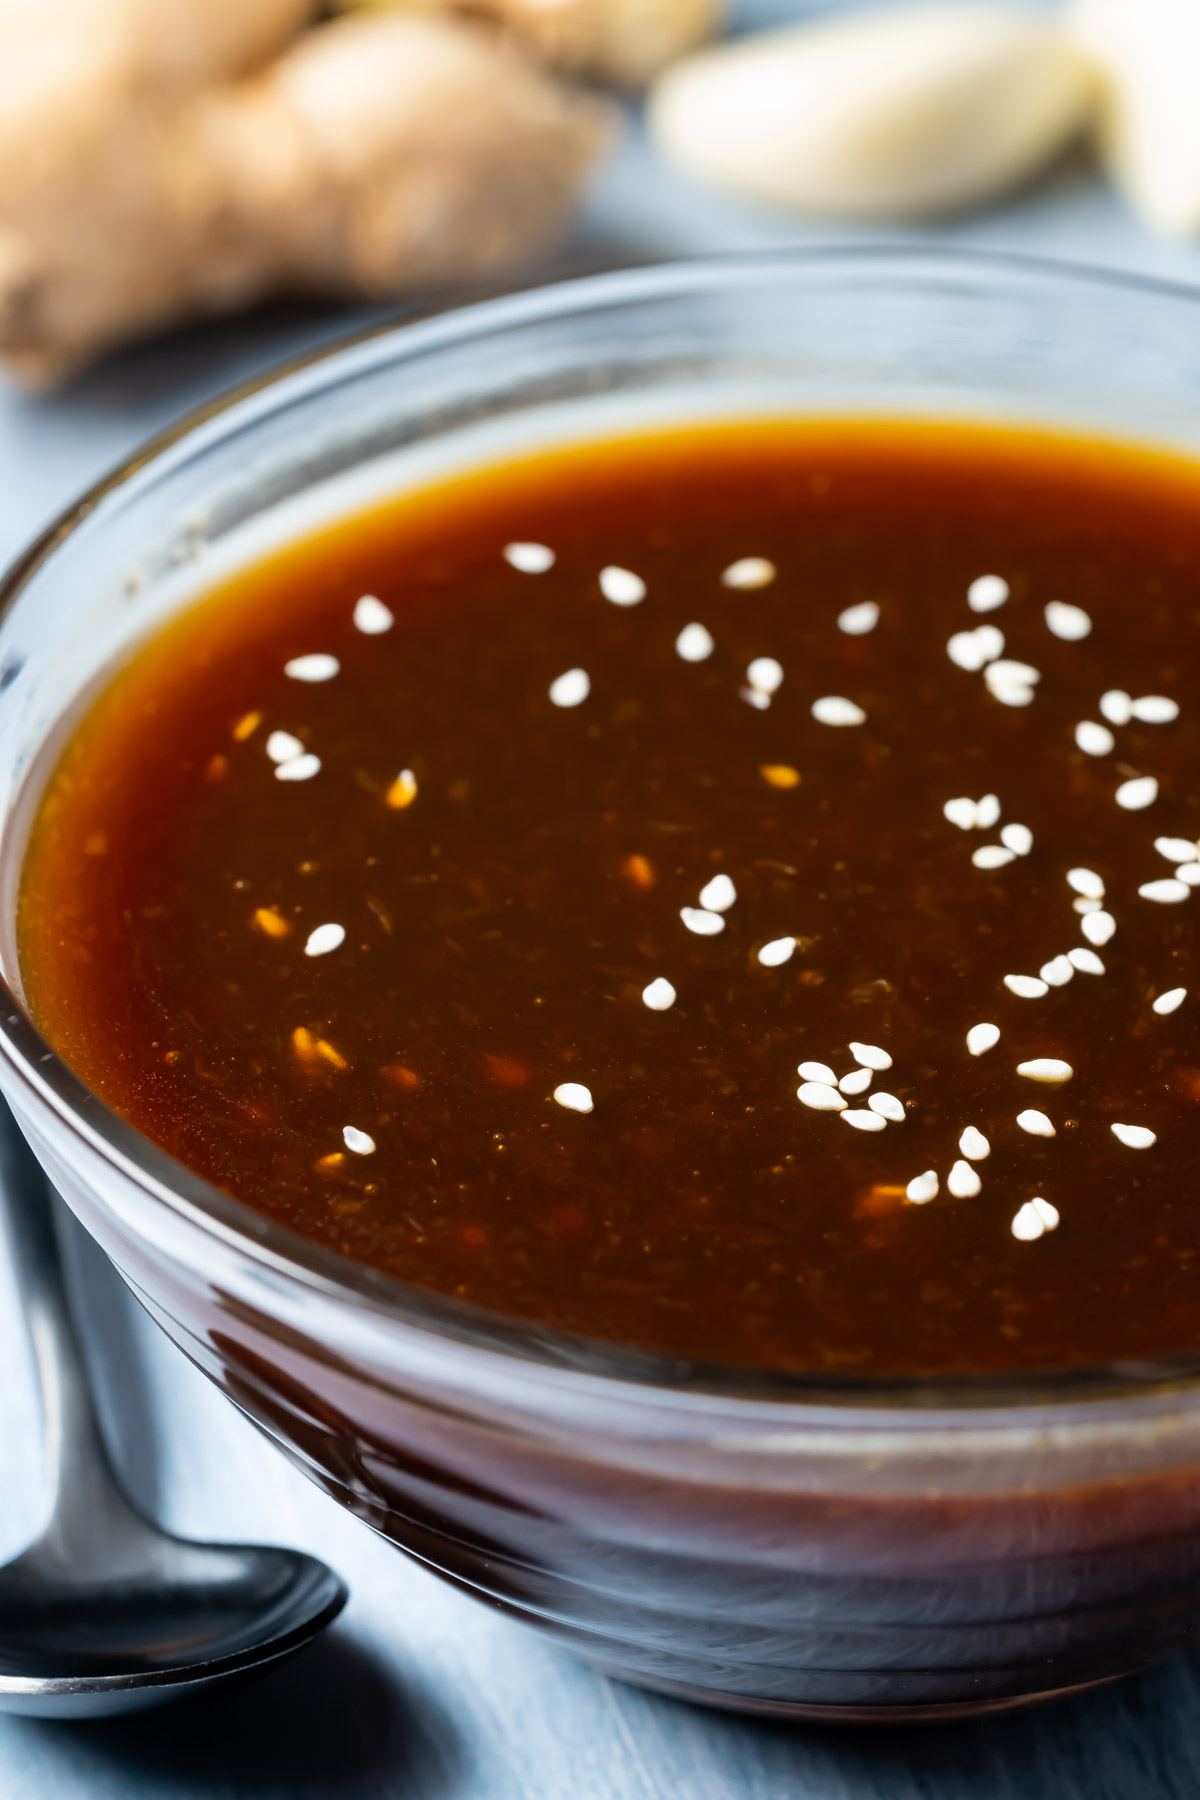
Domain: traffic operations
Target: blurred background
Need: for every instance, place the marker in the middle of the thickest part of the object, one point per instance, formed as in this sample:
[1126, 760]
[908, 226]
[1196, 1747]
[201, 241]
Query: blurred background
[189, 188]
[192, 189]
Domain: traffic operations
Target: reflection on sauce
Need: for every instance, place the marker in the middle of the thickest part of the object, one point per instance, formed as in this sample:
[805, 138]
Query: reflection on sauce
[729, 893]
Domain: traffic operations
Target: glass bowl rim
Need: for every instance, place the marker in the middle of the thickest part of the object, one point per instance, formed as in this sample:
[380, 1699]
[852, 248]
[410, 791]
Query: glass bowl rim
[32, 1061]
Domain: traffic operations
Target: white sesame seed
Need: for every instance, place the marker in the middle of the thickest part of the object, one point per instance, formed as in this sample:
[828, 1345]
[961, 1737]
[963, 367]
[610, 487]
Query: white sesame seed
[317, 667]
[987, 811]
[971, 650]
[1008, 670]
[1168, 892]
[1011, 693]
[1087, 906]
[986, 593]
[298, 768]
[1057, 972]
[1189, 874]
[865, 1121]
[1176, 850]
[1135, 1137]
[1116, 706]
[1036, 1123]
[283, 747]
[1086, 882]
[992, 856]
[963, 1181]
[1050, 1070]
[834, 709]
[1025, 987]
[1154, 709]
[965, 650]
[659, 995]
[820, 1097]
[1137, 794]
[324, 939]
[1093, 739]
[530, 559]
[1098, 928]
[358, 1141]
[1011, 683]
[1086, 961]
[755, 697]
[695, 644]
[982, 1038]
[1170, 1002]
[622, 586]
[923, 1188]
[961, 812]
[888, 1107]
[1067, 622]
[777, 952]
[1017, 838]
[857, 1082]
[765, 674]
[719, 894]
[815, 1071]
[1034, 1220]
[871, 1057]
[701, 921]
[574, 1096]
[372, 617]
[749, 572]
[571, 688]
[974, 1145]
[858, 620]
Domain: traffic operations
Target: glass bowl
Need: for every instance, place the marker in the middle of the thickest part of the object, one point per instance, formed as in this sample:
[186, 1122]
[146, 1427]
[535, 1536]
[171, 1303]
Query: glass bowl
[832, 1548]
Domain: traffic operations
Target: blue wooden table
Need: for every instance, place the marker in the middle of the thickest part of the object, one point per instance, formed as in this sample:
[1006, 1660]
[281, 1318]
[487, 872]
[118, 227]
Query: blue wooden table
[418, 1694]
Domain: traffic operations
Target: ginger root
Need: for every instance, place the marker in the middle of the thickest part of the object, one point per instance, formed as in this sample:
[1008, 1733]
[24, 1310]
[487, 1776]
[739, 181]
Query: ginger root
[623, 41]
[378, 155]
[137, 43]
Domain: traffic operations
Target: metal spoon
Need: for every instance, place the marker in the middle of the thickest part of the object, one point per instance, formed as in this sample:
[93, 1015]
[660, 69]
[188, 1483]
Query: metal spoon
[105, 1613]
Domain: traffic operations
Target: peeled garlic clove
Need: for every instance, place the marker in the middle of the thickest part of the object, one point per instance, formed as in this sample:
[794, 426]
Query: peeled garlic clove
[883, 114]
[1146, 54]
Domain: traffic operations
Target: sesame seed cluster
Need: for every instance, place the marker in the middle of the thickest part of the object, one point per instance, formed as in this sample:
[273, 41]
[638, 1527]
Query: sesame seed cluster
[726, 893]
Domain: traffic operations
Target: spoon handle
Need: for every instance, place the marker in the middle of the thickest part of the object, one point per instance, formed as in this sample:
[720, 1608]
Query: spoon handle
[84, 1494]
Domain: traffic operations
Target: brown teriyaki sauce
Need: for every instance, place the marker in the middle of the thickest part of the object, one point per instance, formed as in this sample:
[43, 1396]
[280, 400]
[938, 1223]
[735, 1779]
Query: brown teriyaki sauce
[465, 886]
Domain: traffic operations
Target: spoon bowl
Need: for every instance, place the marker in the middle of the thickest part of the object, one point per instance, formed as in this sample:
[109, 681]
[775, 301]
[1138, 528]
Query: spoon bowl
[193, 1615]
[106, 1613]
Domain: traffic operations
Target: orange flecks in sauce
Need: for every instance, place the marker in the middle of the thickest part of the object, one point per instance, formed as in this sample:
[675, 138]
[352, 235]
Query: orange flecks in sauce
[271, 923]
[403, 791]
[780, 775]
[639, 872]
[506, 1071]
[246, 726]
[880, 1201]
[404, 1078]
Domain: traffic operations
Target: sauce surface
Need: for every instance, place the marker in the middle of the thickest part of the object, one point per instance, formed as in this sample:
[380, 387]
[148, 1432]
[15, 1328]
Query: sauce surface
[495, 888]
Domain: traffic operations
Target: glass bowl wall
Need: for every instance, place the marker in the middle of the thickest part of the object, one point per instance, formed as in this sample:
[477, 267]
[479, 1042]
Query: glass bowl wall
[817, 1548]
